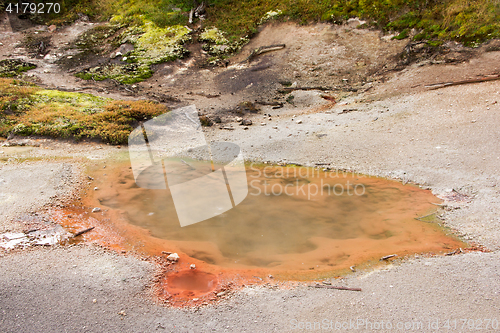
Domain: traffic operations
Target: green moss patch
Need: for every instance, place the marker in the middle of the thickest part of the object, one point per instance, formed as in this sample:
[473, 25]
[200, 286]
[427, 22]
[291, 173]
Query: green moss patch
[126, 74]
[14, 67]
[152, 45]
[218, 46]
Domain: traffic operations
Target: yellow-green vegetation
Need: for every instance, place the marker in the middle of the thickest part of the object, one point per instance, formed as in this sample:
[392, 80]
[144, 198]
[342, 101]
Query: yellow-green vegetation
[156, 27]
[14, 67]
[152, 45]
[127, 73]
[26, 109]
[467, 21]
[217, 45]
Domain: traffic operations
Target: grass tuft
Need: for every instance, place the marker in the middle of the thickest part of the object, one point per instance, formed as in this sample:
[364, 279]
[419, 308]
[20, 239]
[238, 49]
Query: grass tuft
[26, 109]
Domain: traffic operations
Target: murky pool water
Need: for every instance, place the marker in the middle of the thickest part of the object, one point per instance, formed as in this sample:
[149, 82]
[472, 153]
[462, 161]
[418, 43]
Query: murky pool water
[293, 218]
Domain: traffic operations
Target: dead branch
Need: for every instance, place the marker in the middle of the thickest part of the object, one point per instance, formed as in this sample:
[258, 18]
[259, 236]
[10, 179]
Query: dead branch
[262, 50]
[454, 252]
[83, 232]
[456, 83]
[204, 95]
[329, 98]
[306, 88]
[347, 111]
[422, 217]
[388, 257]
[334, 287]
[191, 16]
[269, 103]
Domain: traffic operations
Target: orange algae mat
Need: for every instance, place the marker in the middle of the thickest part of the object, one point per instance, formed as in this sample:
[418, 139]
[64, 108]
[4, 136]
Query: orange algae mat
[295, 223]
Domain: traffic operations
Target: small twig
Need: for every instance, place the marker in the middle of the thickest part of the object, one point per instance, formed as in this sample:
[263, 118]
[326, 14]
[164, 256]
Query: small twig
[329, 98]
[454, 252]
[422, 217]
[264, 49]
[306, 88]
[440, 205]
[388, 257]
[207, 95]
[83, 232]
[269, 103]
[347, 111]
[456, 83]
[334, 287]
[189, 165]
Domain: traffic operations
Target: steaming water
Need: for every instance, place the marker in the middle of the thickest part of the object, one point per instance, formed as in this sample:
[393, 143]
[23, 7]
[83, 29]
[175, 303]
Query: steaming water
[293, 218]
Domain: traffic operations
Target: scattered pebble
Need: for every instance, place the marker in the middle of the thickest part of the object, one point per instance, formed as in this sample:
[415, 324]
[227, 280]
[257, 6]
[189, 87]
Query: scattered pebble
[299, 121]
[96, 210]
[173, 257]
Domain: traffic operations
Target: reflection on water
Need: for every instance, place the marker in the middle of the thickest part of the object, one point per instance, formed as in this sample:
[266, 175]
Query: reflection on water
[292, 218]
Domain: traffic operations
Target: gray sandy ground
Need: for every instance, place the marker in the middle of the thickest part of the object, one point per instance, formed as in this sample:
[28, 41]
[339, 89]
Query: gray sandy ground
[27, 188]
[43, 290]
[93, 291]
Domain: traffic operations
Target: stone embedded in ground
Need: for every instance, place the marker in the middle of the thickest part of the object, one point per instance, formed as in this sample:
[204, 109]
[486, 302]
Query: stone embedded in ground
[246, 122]
[173, 257]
